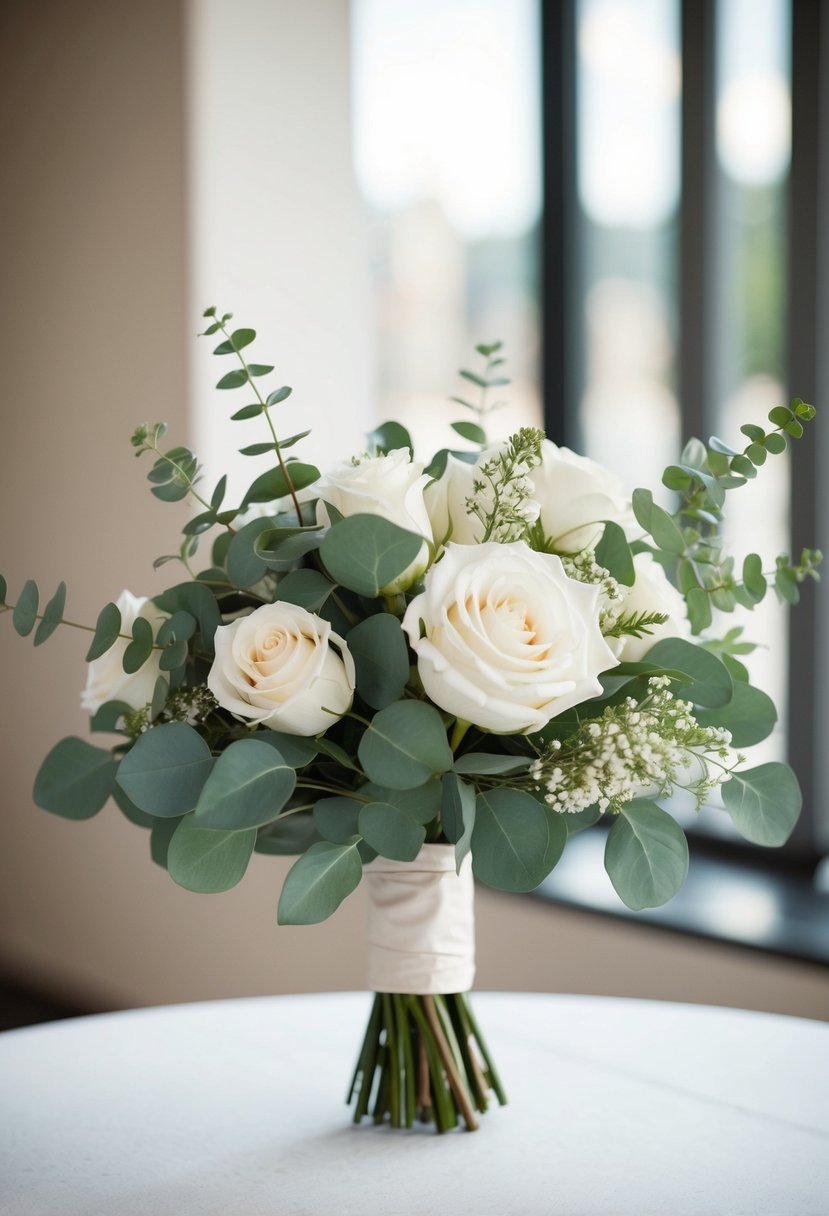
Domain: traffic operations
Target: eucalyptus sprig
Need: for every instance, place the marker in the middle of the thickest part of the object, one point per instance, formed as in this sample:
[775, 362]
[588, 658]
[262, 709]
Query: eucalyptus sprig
[489, 378]
[689, 537]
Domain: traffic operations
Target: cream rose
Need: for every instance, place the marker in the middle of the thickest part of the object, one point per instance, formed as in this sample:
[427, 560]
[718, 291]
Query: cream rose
[576, 495]
[391, 486]
[278, 667]
[106, 679]
[509, 641]
[571, 494]
[652, 591]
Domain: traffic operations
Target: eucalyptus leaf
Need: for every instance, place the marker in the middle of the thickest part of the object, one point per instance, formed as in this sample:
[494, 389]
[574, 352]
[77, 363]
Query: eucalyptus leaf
[711, 685]
[750, 715]
[165, 770]
[273, 484]
[207, 861]
[391, 831]
[336, 818]
[458, 814]
[381, 657]
[388, 437]
[288, 835]
[141, 646]
[516, 840]
[764, 803]
[646, 855]
[404, 745]
[613, 553]
[422, 803]
[52, 615]
[25, 610]
[248, 786]
[487, 764]
[161, 833]
[295, 750]
[367, 553]
[307, 588]
[75, 779]
[318, 882]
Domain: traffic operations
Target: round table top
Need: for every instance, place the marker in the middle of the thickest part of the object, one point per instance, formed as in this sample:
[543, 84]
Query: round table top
[235, 1108]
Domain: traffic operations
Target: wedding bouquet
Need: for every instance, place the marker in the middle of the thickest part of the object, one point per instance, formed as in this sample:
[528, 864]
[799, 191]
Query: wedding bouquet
[425, 673]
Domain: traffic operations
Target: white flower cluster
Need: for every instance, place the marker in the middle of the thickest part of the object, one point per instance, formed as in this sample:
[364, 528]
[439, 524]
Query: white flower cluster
[584, 568]
[631, 748]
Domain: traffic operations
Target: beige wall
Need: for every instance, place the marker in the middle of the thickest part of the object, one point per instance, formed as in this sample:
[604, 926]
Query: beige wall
[96, 334]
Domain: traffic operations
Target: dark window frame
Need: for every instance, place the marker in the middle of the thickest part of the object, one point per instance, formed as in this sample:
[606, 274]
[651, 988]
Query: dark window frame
[562, 365]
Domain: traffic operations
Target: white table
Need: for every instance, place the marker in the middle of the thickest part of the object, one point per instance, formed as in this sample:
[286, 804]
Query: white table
[235, 1108]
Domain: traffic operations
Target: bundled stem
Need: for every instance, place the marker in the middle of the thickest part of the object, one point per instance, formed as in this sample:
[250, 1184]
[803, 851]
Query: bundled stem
[423, 1058]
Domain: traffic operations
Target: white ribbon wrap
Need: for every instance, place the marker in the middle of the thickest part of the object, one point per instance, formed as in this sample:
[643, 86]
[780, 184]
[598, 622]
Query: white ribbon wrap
[421, 923]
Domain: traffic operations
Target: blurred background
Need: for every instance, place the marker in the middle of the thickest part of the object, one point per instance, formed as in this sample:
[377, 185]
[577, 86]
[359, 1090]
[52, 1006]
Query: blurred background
[632, 194]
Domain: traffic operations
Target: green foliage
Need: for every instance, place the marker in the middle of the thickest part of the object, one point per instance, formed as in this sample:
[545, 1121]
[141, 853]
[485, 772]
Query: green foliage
[75, 779]
[646, 855]
[404, 745]
[614, 555]
[52, 615]
[750, 715]
[421, 803]
[388, 437]
[381, 657]
[107, 629]
[25, 610]
[318, 882]
[458, 814]
[487, 764]
[165, 770]
[764, 803]
[198, 602]
[391, 831]
[208, 861]
[247, 787]
[516, 840]
[366, 553]
[710, 686]
[336, 818]
[288, 836]
[307, 588]
[141, 646]
[279, 482]
[294, 749]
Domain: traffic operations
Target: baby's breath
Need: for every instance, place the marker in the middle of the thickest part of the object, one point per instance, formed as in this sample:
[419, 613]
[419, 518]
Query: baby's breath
[633, 747]
[502, 491]
[584, 568]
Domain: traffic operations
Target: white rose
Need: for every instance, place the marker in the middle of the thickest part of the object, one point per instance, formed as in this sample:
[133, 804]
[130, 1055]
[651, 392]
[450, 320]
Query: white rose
[576, 495]
[391, 486]
[652, 591]
[106, 679]
[509, 640]
[276, 667]
[446, 502]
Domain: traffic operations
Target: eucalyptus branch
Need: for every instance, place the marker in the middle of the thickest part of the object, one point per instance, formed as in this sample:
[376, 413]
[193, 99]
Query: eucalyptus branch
[222, 328]
[475, 432]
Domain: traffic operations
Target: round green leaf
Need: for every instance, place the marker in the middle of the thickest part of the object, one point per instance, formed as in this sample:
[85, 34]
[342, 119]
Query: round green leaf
[646, 855]
[288, 835]
[75, 779]
[516, 840]
[381, 657]
[366, 552]
[248, 786]
[52, 615]
[207, 861]
[165, 770]
[141, 646]
[710, 686]
[308, 588]
[764, 803]
[387, 437]
[750, 715]
[422, 803]
[161, 833]
[613, 553]
[295, 750]
[318, 882]
[390, 831]
[25, 610]
[405, 745]
[336, 818]
[107, 628]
